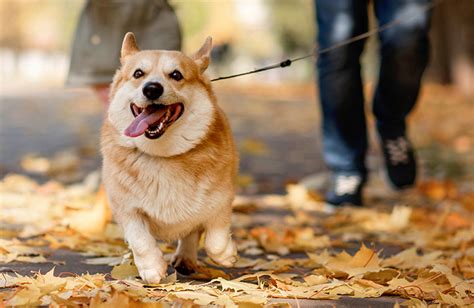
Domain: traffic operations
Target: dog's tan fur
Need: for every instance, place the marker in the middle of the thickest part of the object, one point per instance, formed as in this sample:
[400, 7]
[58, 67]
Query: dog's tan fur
[177, 186]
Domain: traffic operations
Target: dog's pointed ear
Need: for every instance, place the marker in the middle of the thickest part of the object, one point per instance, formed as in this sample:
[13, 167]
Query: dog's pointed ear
[203, 55]
[129, 46]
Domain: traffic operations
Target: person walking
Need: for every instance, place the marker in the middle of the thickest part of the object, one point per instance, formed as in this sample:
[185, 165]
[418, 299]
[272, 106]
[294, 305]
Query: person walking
[100, 31]
[404, 52]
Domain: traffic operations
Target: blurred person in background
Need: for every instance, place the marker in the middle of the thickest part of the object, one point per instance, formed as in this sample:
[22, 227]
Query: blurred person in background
[403, 58]
[102, 26]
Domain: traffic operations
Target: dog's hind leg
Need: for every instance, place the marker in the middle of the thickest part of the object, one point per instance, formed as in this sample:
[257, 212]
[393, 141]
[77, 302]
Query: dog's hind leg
[185, 258]
[218, 243]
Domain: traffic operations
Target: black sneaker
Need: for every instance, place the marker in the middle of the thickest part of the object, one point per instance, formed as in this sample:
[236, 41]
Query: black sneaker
[346, 188]
[400, 161]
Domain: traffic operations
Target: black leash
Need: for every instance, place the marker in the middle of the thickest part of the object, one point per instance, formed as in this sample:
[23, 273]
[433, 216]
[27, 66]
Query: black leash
[343, 43]
[282, 64]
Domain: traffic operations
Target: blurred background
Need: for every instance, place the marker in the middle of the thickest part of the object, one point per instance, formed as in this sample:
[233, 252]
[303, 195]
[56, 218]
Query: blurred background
[48, 130]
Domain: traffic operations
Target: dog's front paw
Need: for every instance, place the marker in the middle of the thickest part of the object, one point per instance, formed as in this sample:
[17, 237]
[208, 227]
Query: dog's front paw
[152, 276]
[184, 265]
[155, 274]
[227, 257]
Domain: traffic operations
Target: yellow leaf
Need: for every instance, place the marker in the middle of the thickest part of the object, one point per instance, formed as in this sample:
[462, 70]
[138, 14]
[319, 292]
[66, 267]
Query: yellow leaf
[234, 285]
[30, 295]
[48, 282]
[124, 271]
[410, 259]
[364, 261]
[253, 147]
[104, 260]
[312, 280]
[198, 298]
[243, 262]
[252, 298]
[451, 300]
[400, 217]
[208, 272]
[224, 300]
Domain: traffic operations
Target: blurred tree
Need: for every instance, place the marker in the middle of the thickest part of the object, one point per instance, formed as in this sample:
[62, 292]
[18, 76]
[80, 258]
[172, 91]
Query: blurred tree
[293, 22]
[452, 39]
[193, 17]
[38, 24]
[10, 28]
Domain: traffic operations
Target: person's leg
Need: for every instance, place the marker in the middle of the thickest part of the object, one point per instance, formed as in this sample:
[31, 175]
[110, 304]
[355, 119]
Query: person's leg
[341, 94]
[96, 47]
[404, 56]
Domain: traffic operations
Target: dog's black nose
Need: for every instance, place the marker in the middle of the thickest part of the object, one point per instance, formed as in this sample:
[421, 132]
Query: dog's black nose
[152, 90]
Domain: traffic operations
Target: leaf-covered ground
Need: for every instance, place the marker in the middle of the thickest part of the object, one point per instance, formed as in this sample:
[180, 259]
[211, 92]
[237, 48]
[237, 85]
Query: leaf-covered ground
[293, 248]
[416, 248]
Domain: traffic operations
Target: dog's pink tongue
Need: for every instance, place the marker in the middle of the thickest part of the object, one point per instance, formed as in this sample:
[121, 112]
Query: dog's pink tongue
[140, 124]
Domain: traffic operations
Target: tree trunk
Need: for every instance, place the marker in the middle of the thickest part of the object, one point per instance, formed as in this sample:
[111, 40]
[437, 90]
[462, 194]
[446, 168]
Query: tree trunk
[452, 37]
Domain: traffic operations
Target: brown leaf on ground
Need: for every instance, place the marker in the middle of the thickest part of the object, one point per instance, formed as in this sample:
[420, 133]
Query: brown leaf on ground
[295, 255]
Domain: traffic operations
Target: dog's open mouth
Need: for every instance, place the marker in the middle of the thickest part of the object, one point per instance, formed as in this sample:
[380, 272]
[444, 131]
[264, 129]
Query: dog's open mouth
[153, 120]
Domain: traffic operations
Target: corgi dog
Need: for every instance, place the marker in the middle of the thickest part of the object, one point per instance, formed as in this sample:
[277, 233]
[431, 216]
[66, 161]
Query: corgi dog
[169, 159]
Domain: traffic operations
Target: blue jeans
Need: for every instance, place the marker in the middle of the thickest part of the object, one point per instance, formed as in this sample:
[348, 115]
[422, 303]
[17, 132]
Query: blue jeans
[404, 52]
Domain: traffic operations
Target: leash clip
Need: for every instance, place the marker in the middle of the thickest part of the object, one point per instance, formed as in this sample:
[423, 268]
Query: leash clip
[285, 63]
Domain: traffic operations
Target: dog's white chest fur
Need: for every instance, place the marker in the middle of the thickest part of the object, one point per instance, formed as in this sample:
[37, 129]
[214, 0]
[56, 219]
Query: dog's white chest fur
[175, 200]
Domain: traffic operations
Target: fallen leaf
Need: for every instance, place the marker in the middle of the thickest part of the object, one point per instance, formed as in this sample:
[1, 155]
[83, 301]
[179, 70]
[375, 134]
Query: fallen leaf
[124, 271]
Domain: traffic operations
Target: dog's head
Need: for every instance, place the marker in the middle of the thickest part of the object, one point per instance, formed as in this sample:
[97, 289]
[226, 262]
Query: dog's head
[160, 101]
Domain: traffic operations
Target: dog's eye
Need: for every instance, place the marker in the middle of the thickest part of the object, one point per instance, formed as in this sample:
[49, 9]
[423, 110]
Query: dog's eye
[176, 75]
[138, 73]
